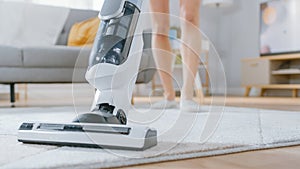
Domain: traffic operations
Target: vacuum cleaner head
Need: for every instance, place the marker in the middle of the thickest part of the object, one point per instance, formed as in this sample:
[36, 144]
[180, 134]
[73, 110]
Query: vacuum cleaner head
[89, 135]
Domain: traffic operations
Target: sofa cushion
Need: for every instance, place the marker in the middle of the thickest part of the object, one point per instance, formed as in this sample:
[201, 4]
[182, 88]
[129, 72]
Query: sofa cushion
[10, 56]
[41, 75]
[56, 57]
[75, 15]
[84, 33]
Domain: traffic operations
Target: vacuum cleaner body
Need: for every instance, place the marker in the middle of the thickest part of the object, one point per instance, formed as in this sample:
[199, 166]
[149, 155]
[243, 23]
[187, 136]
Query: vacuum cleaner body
[112, 71]
[114, 60]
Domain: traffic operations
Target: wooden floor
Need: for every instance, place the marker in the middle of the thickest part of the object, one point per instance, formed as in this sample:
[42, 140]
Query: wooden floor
[281, 158]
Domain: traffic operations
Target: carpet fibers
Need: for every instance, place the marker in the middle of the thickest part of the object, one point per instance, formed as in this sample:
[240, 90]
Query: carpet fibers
[181, 135]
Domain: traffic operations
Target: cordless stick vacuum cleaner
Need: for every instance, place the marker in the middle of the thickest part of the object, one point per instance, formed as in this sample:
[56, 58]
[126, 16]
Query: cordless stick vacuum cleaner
[114, 63]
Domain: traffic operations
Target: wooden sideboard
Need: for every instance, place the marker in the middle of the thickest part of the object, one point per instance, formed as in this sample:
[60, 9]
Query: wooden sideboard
[280, 72]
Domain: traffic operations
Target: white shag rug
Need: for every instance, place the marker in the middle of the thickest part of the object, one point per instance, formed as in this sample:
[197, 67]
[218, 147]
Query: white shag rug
[239, 129]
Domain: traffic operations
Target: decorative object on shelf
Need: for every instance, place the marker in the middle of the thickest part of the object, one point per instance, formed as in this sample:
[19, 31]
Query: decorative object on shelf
[290, 71]
[217, 3]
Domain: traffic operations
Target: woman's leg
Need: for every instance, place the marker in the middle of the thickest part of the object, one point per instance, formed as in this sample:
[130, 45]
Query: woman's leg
[161, 45]
[191, 46]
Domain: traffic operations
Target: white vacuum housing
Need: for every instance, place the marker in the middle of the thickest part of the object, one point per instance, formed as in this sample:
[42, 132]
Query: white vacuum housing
[114, 63]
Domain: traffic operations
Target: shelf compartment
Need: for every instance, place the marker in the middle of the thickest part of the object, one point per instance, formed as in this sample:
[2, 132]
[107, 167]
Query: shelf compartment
[286, 72]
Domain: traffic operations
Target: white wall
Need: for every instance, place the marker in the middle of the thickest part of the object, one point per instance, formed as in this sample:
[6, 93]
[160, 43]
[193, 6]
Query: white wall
[209, 19]
[237, 38]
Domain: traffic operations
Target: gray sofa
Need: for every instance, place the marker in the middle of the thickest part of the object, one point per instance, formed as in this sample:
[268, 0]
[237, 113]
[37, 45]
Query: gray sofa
[55, 64]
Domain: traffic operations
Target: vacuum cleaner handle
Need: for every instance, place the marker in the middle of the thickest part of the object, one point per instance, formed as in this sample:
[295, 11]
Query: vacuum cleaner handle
[114, 8]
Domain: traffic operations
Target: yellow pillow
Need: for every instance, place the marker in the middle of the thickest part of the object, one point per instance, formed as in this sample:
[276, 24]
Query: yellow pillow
[83, 33]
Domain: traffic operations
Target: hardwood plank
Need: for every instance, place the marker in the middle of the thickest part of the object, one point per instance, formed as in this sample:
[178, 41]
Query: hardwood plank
[273, 159]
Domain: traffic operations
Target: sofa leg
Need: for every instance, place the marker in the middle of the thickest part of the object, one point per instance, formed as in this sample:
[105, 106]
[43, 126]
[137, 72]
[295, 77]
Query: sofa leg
[12, 95]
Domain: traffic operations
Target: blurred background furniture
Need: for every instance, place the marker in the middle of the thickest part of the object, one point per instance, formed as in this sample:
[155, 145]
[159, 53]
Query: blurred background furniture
[278, 72]
[45, 64]
[56, 63]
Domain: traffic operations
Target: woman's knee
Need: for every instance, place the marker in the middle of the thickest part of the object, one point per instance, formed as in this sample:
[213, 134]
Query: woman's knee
[190, 10]
[190, 17]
